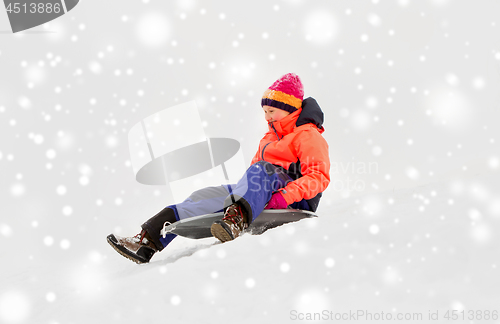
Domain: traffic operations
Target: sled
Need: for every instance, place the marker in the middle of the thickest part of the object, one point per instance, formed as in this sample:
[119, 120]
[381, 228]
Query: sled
[198, 227]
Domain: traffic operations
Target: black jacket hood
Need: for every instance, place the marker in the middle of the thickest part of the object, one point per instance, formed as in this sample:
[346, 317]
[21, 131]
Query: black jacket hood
[311, 113]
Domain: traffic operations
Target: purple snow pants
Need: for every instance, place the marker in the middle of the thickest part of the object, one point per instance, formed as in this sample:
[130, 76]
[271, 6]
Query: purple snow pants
[253, 191]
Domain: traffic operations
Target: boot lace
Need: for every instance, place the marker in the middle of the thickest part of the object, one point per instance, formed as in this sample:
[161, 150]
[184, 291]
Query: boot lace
[236, 212]
[140, 238]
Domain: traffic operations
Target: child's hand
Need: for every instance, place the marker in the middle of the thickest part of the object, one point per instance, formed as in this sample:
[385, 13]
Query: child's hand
[276, 202]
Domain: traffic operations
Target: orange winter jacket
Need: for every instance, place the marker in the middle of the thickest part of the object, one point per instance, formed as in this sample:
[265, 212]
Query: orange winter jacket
[295, 143]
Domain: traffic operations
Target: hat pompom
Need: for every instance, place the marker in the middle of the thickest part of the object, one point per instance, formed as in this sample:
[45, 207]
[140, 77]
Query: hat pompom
[286, 93]
[290, 84]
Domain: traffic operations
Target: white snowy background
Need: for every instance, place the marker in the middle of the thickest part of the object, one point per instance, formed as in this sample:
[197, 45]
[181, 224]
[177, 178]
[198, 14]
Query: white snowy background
[410, 92]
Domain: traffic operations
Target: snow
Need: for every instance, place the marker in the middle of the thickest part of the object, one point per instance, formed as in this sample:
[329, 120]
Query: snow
[360, 120]
[61, 190]
[450, 108]
[377, 150]
[153, 29]
[50, 297]
[48, 240]
[424, 262]
[50, 154]
[65, 244]
[67, 210]
[17, 189]
[5, 230]
[320, 27]
[14, 306]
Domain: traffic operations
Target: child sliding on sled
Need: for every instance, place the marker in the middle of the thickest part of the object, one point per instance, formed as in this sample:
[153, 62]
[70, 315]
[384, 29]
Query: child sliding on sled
[290, 169]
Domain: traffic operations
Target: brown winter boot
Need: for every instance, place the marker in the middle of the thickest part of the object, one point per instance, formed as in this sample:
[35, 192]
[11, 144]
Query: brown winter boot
[231, 225]
[139, 248]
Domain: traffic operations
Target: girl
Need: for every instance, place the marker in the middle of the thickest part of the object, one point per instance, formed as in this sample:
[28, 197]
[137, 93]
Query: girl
[291, 168]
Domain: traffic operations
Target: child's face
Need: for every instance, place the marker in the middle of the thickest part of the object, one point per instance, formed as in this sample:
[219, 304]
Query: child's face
[273, 114]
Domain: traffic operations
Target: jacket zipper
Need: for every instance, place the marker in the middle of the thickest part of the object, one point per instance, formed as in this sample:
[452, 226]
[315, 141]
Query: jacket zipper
[262, 155]
[275, 132]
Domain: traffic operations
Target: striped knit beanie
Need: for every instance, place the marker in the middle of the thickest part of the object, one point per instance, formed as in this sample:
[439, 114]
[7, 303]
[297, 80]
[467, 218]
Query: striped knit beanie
[286, 93]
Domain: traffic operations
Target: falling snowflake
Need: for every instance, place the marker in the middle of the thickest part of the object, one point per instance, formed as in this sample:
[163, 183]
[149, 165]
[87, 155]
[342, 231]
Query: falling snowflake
[329, 262]
[5, 230]
[284, 267]
[374, 229]
[15, 307]
[61, 190]
[50, 297]
[250, 283]
[175, 300]
[67, 210]
[320, 27]
[153, 29]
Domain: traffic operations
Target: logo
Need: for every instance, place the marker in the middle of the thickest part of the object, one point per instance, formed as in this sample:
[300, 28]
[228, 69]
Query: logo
[28, 14]
[170, 148]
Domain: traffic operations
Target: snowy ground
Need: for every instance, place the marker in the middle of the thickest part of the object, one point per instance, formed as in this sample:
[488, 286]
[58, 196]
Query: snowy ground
[432, 248]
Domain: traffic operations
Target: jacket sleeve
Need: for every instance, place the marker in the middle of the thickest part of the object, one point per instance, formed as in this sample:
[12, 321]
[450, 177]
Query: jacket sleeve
[312, 152]
[256, 157]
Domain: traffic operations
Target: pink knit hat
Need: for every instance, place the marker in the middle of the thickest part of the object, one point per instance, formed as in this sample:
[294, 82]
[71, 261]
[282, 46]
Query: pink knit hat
[286, 93]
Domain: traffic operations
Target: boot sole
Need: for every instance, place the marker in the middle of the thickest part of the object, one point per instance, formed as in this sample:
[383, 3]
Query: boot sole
[112, 241]
[220, 233]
